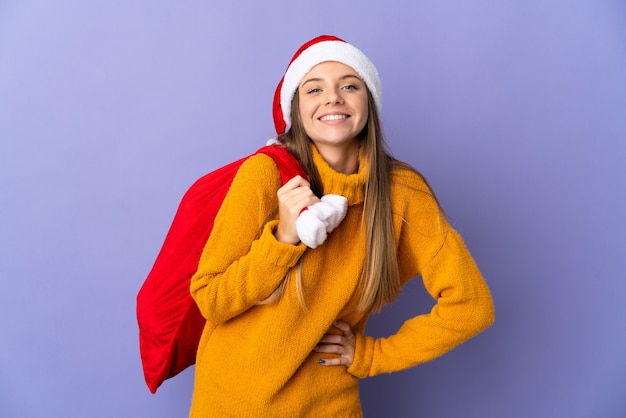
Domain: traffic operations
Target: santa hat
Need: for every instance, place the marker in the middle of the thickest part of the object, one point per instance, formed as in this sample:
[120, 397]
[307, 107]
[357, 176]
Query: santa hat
[321, 49]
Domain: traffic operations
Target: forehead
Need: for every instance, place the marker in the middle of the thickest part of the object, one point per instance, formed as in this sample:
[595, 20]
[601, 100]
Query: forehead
[330, 69]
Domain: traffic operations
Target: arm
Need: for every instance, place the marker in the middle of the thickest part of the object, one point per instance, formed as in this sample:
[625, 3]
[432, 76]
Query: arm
[464, 308]
[429, 247]
[240, 267]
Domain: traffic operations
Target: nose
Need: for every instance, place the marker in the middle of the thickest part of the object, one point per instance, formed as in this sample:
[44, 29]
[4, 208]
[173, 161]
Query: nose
[334, 96]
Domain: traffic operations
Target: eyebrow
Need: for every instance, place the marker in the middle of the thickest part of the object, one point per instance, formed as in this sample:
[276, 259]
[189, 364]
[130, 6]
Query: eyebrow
[309, 80]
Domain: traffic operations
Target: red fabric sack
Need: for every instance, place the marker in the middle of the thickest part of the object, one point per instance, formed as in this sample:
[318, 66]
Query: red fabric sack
[170, 323]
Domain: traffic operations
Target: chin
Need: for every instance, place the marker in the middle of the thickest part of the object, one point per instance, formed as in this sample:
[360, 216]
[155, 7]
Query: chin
[334, 141]
[336, 138]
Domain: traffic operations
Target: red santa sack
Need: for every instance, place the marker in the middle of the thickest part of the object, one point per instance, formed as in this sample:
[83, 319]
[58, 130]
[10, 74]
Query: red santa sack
[170, 323]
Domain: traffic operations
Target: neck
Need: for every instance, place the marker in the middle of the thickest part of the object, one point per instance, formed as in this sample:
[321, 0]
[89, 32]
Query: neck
[344, 159]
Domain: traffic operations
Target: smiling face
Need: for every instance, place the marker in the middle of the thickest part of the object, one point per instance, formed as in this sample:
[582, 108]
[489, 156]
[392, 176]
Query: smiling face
[333, 105]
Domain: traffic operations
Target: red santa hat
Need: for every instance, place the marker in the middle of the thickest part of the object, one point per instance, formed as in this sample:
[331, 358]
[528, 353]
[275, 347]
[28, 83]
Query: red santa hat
[321, 49]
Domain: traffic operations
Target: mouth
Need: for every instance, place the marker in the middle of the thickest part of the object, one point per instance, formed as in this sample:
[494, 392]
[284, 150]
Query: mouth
[334, 117]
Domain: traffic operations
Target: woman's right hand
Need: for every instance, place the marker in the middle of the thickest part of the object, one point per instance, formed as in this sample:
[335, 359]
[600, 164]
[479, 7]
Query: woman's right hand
[293, 196]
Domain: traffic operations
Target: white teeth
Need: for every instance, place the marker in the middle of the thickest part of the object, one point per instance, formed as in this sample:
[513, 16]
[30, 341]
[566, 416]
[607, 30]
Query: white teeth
[333, 117]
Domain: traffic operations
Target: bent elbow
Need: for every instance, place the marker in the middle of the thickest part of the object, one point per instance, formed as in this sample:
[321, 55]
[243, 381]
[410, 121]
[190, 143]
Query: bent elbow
[484, 315]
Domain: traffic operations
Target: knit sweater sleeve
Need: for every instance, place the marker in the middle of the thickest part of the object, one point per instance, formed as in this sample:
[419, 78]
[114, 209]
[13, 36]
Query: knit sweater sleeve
[463, 302]
[242, 262]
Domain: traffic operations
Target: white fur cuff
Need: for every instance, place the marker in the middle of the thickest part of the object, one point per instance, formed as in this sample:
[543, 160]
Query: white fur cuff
[319, 219]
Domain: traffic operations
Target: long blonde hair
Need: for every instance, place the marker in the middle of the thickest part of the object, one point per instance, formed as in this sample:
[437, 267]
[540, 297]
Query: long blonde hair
[380, 278]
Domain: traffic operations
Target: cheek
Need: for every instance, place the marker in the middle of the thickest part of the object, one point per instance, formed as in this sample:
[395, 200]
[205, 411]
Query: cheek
[364, 114]
[306, 114]
[305, 109]
[361, 104]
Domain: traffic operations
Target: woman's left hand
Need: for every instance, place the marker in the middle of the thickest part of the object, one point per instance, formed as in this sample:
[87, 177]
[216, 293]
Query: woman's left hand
[343, 345]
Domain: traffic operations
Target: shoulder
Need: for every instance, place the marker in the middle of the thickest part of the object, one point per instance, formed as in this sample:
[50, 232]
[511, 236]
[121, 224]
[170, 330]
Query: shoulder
[256, 171]
[407, 180]
[251, 193]
[413, 198]
[252, 179]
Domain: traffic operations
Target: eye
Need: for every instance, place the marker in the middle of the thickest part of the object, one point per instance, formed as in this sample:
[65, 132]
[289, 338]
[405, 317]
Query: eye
[350, 87]
[313, 90]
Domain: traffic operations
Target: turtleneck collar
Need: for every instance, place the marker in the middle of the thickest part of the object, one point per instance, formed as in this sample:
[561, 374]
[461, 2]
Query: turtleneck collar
[352, 186]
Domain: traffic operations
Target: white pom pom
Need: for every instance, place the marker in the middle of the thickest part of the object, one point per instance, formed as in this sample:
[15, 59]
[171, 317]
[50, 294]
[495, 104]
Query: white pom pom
[323, 211]
[310, 228]
[314, 224]
[339, 205]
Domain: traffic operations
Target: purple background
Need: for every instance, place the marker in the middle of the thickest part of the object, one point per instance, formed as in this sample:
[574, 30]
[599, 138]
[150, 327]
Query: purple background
[514, 110]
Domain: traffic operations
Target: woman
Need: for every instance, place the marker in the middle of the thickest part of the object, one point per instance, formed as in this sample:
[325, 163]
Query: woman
[285, 323]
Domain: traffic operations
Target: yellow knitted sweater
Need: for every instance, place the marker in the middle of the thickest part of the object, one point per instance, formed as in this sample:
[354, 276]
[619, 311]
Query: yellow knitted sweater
[258, 360]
